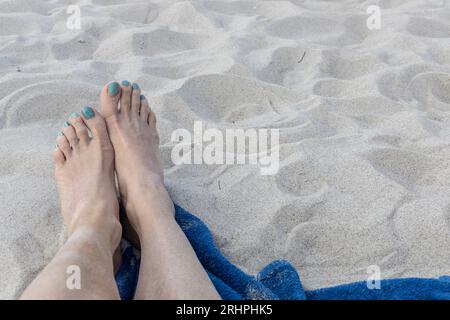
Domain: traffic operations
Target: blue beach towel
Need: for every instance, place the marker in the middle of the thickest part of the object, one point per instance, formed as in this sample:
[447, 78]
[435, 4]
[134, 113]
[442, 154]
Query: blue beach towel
[278, 280]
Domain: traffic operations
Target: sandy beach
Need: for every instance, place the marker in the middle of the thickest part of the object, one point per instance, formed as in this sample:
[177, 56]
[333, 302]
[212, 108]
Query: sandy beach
[363, 118]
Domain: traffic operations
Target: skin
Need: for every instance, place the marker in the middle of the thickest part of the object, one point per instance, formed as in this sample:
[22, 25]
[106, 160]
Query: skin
[84, 174]
[124, 139]
[169, 267]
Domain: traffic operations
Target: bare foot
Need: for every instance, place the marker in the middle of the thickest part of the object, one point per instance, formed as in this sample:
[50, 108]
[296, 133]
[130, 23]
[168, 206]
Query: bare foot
[169, 267]
[84, 176]
[132, 130]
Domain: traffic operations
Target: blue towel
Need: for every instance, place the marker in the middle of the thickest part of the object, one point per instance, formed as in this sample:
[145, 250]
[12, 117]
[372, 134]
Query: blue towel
[278, 280]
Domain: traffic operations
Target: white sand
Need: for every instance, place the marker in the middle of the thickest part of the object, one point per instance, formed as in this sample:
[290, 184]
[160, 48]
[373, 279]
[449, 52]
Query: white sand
[364, 124]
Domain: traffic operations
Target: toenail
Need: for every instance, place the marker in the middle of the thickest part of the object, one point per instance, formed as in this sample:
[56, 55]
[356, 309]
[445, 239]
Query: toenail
[56, 146]
[125, 83]
[60, 134]
[88, 112]
[113, 89]
[66, 124]
[135, 86]
[74, 115]
[142, 97]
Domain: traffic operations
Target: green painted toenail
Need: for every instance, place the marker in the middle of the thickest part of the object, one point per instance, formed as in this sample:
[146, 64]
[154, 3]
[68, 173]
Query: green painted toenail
[56, 146]
[88, 112]
[135, 86]
[113, 89]
[66, 124]
[142, 97]
[74, 115]
[60, 134]
[125, 83]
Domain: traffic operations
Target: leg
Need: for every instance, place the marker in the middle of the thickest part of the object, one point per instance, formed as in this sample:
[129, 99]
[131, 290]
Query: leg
[85, 179]
[169, 267]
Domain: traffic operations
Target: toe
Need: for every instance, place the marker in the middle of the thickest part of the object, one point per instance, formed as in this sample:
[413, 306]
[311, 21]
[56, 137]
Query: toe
[125, 97]
[64, 146]
[135, 98]
[151, 120]
[58, 156]
[80, 128]
[109, 99]
[95, 122]
[145, 109]
[70, 134]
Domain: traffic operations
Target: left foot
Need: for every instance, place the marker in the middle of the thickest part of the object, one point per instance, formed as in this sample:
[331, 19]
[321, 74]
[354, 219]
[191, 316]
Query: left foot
[84, 176]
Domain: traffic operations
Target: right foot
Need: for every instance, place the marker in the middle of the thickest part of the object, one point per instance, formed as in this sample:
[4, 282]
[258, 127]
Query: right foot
[169, 268]
[132, 130]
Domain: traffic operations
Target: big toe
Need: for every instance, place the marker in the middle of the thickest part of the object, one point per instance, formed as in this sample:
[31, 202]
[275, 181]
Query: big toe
[109, 99]
[95, 123]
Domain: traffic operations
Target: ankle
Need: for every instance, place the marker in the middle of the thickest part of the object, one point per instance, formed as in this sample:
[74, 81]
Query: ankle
[138, 194]
[153, 224]
[153, 207]
[99, 221]
[93, 243]
[147, 184]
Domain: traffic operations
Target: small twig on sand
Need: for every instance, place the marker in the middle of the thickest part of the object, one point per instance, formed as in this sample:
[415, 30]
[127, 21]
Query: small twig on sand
[301, 59]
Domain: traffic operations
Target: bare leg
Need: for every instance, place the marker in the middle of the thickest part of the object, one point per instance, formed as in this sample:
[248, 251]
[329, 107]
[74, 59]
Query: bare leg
[85, 178]
[169, 267]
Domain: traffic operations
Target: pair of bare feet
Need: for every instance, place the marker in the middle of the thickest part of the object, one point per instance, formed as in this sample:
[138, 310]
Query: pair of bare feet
[93, 146]
[123, 139]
